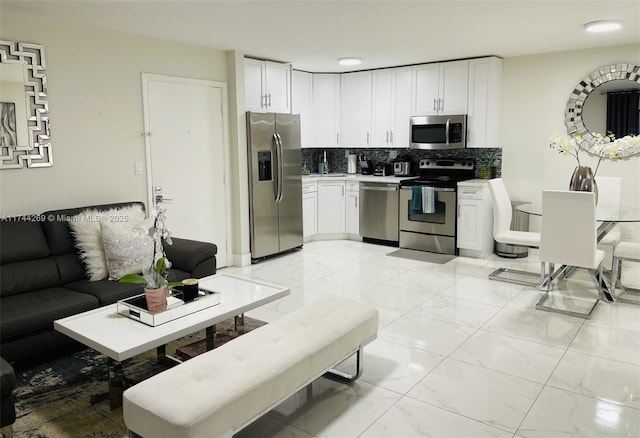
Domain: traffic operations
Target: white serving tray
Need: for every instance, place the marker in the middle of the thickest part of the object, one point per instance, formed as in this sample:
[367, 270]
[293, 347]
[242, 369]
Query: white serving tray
[136, 307]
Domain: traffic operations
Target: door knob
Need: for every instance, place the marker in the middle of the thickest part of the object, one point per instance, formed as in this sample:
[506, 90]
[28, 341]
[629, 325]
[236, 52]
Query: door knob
[158, 196]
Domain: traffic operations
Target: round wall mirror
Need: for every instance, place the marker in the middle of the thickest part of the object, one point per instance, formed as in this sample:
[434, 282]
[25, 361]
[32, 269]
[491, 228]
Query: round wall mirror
[597, 101]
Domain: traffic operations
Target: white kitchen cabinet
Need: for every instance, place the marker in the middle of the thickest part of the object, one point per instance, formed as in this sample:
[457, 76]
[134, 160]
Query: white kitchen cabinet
[326, 111]
[331, 207]
[440, 88]
[352, 207]
[267, 86]
[301, 103]
[355, 109]
[309, 209]
[475, 219]
[391, 107]
[484, 103]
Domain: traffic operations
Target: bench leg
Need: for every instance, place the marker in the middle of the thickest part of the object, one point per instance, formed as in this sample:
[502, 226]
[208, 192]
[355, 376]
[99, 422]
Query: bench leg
[344, 377]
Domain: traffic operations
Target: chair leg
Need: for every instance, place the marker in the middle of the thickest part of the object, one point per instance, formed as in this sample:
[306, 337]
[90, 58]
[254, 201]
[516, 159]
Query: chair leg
[616, 274]
[546, 288]
[496, 275]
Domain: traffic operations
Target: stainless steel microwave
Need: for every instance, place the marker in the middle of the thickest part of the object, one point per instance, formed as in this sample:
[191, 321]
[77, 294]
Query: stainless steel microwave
[438, 132]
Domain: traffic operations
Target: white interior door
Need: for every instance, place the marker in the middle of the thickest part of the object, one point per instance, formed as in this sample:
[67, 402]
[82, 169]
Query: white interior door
[187, 150]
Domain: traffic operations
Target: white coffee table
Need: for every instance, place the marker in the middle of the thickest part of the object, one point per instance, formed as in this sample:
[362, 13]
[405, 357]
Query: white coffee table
[119, 337]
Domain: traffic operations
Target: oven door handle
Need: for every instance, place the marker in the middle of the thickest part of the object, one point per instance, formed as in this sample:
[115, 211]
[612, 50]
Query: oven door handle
[437, 189]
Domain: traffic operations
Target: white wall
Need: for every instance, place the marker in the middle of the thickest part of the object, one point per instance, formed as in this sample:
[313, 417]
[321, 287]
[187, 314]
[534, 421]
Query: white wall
[535, 92]
[95, 103]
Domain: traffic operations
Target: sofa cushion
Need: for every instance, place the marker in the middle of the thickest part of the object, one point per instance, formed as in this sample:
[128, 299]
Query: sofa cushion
[19, 277]
[128, 250]
[22, 240]
[57, 229]
[32, 311]
[105, 291]
[86, 228]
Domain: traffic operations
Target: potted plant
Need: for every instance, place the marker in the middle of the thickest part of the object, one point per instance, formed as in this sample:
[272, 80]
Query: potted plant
[156, 285]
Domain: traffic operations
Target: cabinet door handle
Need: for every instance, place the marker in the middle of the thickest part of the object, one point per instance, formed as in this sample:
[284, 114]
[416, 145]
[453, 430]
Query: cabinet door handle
[440, 105]
[435, 104]
[337, 138]
[367, 138]
[387, 136]
[391, 137]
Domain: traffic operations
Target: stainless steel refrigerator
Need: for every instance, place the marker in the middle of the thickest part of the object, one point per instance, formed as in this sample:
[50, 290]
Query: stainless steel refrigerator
[275, 183]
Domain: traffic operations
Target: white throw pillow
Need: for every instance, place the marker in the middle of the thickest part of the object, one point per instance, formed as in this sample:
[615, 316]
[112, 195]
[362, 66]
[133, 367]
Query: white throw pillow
[85, 227]
[127, 250]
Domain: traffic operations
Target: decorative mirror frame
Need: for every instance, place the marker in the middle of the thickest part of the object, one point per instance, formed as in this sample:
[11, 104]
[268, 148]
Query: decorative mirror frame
[575, 105]
[39, 152]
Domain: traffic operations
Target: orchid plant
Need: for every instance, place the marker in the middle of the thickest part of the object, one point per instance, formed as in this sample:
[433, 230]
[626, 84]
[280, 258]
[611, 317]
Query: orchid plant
[610, 147]
[156, 276]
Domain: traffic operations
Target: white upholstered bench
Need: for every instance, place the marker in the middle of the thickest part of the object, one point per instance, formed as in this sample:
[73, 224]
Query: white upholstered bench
[223, 390]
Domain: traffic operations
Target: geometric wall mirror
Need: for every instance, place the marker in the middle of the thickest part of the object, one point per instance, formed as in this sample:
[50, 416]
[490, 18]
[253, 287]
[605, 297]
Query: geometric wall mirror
[25, 139]
[589, 108]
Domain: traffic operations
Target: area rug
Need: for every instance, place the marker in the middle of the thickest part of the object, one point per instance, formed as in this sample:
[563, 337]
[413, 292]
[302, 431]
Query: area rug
[422, 256]
[67, 397]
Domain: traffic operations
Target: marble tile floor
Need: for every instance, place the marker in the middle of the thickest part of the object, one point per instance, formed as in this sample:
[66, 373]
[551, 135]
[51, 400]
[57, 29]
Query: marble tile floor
[458, 355]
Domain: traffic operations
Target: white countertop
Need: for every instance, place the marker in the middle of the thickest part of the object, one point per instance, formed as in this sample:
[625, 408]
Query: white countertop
[477, 182]
[355, 178]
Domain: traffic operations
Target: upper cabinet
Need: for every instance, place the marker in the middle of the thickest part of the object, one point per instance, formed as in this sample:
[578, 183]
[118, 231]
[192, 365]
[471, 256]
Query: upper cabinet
[267, 86]
[355, 109]
[302, 102]
[325, 126]
[440, 88]
[484, 103]
[391, 107]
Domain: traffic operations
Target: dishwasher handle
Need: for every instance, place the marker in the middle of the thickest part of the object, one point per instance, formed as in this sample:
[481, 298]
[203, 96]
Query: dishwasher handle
[379, 188]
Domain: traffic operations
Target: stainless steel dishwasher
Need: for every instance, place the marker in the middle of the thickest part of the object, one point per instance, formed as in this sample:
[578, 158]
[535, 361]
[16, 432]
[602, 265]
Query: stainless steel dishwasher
[379, 211]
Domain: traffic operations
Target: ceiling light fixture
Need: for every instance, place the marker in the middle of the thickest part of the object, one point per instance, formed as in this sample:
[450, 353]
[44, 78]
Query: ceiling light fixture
[603, 26]
[350, 61]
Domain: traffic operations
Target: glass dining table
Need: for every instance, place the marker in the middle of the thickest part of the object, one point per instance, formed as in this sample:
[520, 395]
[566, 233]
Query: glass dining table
[607, 217]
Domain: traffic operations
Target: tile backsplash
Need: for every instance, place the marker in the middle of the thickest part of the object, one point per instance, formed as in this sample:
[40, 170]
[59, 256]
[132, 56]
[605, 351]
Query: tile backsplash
[489, 159]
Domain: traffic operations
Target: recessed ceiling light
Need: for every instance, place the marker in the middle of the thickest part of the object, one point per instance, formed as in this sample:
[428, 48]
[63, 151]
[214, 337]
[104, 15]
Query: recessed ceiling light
[603, 26]
[349, 61]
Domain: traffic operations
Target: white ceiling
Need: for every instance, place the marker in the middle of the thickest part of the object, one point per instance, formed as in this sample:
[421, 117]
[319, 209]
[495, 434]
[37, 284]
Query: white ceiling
[313, 34]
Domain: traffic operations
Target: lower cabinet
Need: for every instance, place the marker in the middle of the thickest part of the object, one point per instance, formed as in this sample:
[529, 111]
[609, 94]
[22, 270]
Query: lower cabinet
[475, 220]
[309, 209]
[331, 207]
[352, 208]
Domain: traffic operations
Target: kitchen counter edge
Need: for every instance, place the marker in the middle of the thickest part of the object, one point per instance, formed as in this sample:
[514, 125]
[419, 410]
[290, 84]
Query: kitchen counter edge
[356, 178]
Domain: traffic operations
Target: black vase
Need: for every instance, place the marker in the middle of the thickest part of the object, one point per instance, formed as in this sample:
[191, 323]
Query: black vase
[583, 180]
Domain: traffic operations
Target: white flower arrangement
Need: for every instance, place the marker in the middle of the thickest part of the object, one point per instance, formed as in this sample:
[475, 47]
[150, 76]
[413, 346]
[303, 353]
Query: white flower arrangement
[156, 276]
[607, 146]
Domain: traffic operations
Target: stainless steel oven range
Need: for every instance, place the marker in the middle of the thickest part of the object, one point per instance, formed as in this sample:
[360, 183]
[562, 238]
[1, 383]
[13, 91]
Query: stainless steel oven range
[428, 205]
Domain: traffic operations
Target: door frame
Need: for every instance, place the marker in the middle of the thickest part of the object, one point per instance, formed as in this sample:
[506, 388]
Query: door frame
[226, 148]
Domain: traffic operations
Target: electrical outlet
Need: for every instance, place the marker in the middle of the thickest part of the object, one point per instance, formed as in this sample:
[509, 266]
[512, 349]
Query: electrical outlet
[137, 168]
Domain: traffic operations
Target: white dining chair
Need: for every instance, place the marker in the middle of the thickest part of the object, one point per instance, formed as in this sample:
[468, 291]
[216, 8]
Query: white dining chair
[502, 233]
[628, 252]
[609, 194]
[569, 237]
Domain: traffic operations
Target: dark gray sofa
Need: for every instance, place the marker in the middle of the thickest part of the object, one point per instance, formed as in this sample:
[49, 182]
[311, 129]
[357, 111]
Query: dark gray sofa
[42, 278]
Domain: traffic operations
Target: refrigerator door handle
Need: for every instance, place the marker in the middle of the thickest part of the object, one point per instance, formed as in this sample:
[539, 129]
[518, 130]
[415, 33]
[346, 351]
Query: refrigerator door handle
[280, 166]
[277, 167]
